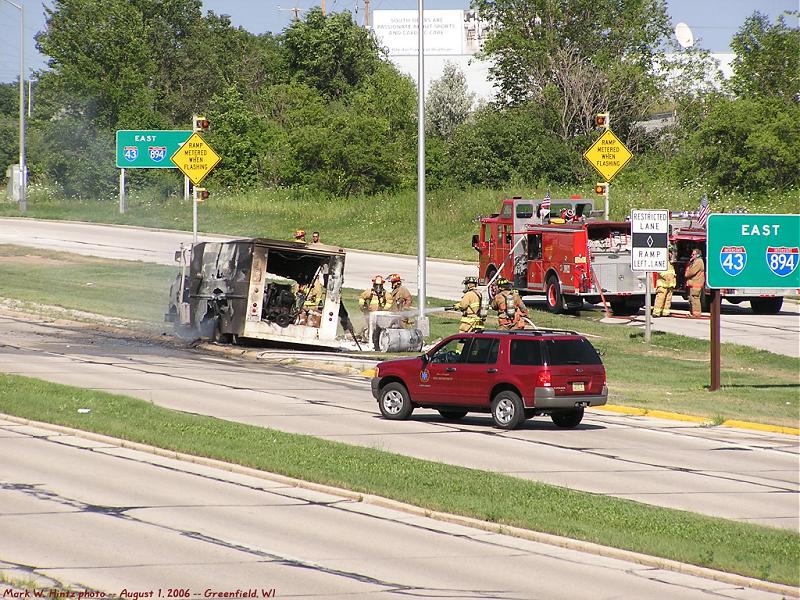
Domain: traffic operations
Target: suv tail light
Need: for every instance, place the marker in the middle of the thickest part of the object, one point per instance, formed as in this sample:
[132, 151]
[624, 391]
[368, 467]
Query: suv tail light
[543, 378]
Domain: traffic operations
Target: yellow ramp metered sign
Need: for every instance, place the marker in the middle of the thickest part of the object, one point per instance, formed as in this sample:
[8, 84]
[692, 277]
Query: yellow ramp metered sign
[608, 155]
[195, 158]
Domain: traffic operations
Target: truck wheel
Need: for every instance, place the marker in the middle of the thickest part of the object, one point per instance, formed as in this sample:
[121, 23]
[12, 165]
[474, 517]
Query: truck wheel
[395, 403]
[490, 272]
[555, 301]
[567, 419]
[766, 306]
[507, 410]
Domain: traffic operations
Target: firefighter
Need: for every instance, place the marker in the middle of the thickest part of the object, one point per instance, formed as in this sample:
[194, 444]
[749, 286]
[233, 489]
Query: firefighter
[315, 237]
[508, 304]
[470, 307]
[401, 297]
[695, 281]
[665, 283]
[312, 302]
[374, 299]
[300, 236]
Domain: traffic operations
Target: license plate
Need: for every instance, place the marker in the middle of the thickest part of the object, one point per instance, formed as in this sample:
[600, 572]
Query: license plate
[578, 387]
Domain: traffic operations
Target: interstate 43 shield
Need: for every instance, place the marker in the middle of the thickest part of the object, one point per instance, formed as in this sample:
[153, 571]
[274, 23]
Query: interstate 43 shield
[733, 259]
[782, 260]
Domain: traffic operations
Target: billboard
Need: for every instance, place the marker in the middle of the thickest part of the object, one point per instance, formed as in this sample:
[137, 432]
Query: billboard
[447, 32]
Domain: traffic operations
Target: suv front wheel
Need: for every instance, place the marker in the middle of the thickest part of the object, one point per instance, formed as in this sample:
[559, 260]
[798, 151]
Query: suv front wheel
[394, 402]
[567, 419]
[507, 410]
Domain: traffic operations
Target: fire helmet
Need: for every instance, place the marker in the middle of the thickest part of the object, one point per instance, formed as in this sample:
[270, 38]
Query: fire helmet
[394, 278]
[377, 280]
[300, 234]
[503, 283]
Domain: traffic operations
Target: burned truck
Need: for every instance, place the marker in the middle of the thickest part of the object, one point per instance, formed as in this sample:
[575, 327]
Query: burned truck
[262, 289]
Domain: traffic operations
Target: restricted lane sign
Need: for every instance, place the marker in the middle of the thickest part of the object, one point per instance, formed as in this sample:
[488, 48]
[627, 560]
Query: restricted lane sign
[195, 158]
[650, 229]
[753, 251]
[608, 155]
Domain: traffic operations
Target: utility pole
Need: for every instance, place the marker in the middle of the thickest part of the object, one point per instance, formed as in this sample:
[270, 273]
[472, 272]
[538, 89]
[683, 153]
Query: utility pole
[23, 179]
[296, 10]
[366, 13]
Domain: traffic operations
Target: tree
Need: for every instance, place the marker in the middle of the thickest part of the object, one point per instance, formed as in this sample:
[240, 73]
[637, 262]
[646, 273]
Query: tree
[330, 52]
[767, 59]
[577, 58]
[508, 145]
[744, 144]
[448, 102]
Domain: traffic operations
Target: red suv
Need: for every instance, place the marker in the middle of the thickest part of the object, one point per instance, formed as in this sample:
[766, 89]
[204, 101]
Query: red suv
[515, 375]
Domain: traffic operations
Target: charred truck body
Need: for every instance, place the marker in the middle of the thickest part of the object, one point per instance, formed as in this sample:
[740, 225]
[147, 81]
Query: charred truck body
[262, 289]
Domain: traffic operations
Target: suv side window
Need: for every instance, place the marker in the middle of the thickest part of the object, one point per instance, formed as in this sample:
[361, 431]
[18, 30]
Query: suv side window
[483, 351]
[452, 352]
[571, 352]
[526, 352]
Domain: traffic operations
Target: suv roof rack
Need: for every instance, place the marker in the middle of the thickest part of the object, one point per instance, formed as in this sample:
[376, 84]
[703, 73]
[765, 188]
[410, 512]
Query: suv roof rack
[532, 331]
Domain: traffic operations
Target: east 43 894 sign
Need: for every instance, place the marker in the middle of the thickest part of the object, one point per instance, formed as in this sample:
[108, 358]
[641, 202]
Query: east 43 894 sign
[753, 251]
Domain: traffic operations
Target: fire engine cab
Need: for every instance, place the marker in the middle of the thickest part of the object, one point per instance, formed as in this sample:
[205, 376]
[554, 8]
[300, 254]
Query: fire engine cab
[562, 252]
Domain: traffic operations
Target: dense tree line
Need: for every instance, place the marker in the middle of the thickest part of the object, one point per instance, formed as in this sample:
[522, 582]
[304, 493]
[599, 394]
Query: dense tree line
[319, 105]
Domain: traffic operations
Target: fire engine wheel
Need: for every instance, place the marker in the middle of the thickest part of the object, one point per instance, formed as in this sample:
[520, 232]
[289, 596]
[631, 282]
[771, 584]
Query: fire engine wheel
[567, 419]
[555, 301]
[395, 403]
[766, 306]
[507, 410]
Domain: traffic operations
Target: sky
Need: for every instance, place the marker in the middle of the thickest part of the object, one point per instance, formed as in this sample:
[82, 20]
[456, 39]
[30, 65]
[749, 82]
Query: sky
[713, 22]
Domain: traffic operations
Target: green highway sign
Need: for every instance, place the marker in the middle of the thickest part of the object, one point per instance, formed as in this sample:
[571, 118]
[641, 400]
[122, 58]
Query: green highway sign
[148, 149]
[753, 251]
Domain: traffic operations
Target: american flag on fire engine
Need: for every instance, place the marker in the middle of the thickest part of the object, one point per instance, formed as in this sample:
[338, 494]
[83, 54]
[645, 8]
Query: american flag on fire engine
[702, 217]
[544, 207]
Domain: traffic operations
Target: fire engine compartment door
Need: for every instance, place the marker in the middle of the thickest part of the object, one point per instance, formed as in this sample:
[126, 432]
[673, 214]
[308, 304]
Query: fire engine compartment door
[610, 258]
[523, 217]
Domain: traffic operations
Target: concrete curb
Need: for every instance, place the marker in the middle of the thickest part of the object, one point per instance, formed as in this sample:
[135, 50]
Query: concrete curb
[534, 536]
[661, 414]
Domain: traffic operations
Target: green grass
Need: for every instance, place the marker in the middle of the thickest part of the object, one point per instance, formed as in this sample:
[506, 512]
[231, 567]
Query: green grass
[386, 223]
[766, 553]
[671, 373]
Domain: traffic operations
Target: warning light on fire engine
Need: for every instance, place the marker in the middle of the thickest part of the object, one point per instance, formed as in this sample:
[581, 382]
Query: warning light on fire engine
[601, 188]
[602, 120]
[199, 124]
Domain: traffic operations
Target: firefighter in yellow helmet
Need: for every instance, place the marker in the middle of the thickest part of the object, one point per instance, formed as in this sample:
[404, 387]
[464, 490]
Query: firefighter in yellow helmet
[470, 307]
[509, 306]
[665, 283]
[374, 299]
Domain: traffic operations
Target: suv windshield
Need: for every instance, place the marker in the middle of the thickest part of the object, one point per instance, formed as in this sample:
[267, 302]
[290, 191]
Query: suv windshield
[571, 352]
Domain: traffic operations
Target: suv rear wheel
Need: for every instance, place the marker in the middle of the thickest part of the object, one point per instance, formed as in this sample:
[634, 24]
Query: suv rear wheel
[567, 419]
[507, 410]
[394, 402]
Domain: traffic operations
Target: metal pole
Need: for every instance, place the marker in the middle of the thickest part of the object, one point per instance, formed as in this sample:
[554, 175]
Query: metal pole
[716, 317]
[122, 191]
[23, 204]
[605, 201]
[422, 320]
[648, 278]
[194, 217]
[30, 95]
[185, 187]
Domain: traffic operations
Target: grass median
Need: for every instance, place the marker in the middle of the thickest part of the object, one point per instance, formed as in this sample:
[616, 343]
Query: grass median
[766, 553]
[671, 373]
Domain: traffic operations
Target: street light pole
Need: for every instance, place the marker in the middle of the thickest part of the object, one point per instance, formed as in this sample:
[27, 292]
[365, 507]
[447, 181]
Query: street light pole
[422, 320]
[23, 205]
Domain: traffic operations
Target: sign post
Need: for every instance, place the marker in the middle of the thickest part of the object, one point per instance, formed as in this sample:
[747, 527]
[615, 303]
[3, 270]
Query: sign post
[195, 159]
[650, 230]
[608, 155]
[743, 250]
[145, 149]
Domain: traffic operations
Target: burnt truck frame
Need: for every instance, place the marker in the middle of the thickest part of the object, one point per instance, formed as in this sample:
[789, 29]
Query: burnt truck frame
[248, 288]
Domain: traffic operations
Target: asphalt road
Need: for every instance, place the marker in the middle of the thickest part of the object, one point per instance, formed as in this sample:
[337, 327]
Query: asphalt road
[777, 333]
[89, 515]
[737, 474]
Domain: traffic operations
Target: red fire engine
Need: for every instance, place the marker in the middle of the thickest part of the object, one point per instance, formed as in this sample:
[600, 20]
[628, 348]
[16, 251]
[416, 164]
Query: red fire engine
[686, 234]
[562, 253]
